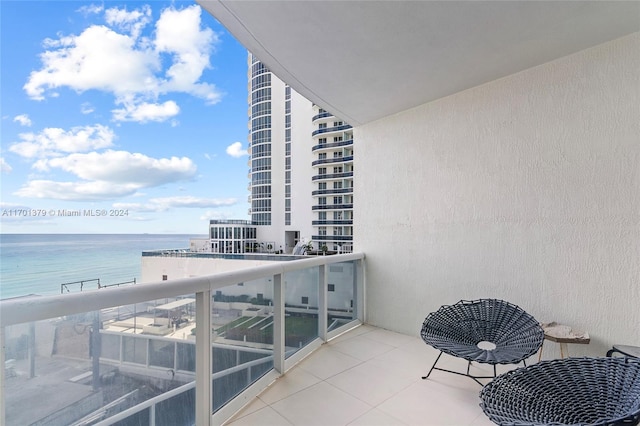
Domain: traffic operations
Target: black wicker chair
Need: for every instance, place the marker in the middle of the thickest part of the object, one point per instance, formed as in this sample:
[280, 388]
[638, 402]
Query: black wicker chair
[488, 331]
[570, 391]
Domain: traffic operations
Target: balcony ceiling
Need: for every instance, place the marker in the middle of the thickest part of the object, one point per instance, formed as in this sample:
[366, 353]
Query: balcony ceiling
[364, 60]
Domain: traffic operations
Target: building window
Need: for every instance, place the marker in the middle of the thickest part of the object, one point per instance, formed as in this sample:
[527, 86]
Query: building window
[337, 169]
[322, 156]
[322, 141]
[337, 200]
[305, 300]
[322, 185]
[322, 201]
[331, 287]
[322, 230]
[322, 216]
[322, 171]
[337, 154]
[164, 278]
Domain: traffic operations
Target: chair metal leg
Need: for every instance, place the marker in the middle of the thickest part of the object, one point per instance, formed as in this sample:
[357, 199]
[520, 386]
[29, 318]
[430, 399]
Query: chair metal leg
[432, 367]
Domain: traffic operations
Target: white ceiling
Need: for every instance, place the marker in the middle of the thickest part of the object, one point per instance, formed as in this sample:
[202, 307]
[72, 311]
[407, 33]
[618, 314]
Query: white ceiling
[363, 60]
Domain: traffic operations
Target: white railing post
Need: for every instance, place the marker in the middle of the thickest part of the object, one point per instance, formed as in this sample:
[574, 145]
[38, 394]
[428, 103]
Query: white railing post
[152, 415]
[323, 281]
[203, 358]
[359, 291]
[278, 323]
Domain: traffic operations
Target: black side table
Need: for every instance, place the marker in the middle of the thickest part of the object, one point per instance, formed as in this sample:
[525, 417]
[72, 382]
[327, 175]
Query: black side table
[630, 351]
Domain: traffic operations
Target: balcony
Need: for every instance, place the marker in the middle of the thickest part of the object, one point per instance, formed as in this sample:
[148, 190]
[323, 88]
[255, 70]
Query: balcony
[332, 207]
[333, 176]
[332, 191]
[331, 129]
[332, 145]
[367, 376]
[345, 159]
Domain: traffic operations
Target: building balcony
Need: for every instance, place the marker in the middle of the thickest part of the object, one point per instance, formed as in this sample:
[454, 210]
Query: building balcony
[332, 191]
[331, 129]
[333, 176]
[341, 160]
[336, 238]
[332, 222]
[332, 207]
[332, 145]
[321, 115]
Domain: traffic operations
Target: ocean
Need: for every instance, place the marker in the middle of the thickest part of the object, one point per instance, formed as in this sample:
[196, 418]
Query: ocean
[40, 263]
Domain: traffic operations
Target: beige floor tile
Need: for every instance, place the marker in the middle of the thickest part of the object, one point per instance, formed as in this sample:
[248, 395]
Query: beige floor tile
[370, 383]
[376, 417]
[294, 381]
[266, 416]
[325, 363]
[433, 403]
[361, 347]
[321, 404]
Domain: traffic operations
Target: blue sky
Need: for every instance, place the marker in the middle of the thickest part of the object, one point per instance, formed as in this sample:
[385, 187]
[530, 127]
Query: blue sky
[137, 109]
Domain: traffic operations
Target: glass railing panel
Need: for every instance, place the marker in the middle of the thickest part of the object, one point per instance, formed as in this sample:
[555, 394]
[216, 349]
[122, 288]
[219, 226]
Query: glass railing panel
[162, 353]
[134, 350]
[85, 368]
[340, 294]
[242, 334]
[301, 290]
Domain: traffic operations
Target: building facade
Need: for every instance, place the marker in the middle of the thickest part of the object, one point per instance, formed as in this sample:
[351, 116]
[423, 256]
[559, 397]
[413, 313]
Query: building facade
[300, 168]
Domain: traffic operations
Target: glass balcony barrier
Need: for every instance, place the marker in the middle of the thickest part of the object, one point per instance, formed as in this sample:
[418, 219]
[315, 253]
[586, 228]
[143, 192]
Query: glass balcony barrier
[141, 354]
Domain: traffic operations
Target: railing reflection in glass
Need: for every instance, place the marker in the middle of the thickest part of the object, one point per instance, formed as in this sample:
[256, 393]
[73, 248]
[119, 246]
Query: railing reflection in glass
[242, 335]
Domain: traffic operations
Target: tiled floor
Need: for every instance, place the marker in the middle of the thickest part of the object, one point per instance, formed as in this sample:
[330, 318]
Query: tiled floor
[368, 376]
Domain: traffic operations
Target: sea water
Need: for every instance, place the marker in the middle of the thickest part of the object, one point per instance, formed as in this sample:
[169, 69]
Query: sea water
[41, 263]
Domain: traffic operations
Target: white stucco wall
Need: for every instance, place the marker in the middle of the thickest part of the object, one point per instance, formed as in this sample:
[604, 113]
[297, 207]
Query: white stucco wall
[525, 189]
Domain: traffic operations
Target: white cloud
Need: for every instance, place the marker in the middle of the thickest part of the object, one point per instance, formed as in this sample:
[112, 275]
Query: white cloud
[166, 203]
[178, 33]
[106, 175]
[4, 166]
[23, 119]
[86, 108]
[235, 150]
[122, 167]
[98, 58]
[118, 60]
[145, 112]
[91, 9]
[132, 22]
[74, 191]
[54, 141]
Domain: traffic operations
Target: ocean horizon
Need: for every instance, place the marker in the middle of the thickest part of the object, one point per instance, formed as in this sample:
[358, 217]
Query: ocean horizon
[41, 263]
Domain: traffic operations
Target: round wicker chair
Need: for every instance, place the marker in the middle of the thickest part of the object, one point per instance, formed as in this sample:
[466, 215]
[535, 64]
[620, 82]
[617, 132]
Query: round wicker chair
[489, 331]
[570, 391]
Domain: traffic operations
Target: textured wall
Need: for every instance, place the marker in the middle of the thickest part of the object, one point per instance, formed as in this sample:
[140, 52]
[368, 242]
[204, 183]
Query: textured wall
[526, 189]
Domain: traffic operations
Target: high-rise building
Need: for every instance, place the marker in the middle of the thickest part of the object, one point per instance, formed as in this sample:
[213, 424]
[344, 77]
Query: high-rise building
[300, 168]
